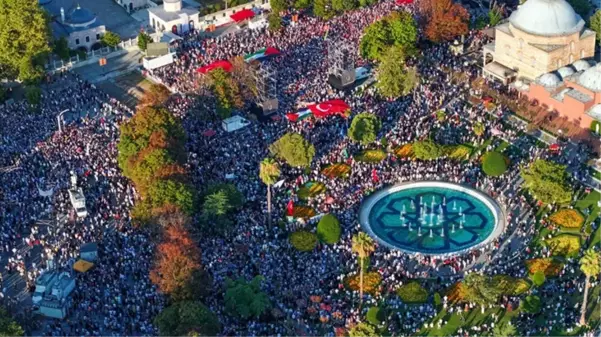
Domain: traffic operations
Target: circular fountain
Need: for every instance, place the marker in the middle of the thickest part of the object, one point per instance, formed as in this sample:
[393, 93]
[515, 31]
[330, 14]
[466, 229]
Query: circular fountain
[431, 218]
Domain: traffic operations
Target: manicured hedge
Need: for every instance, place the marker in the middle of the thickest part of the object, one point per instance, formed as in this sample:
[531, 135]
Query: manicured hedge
[567, 245]
[412, 293]
[493, 164]
[303, 241]
[328, 229]
[376, 316]
[549, 266]
[531, 304]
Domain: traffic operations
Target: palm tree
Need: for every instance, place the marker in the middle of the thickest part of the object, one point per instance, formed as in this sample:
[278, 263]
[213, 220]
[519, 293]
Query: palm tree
[589, 265]
[363, 245]
[269, 172]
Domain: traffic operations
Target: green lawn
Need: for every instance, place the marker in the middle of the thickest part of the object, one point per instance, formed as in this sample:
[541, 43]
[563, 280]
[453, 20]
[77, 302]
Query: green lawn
[465, 320]
[502, 146]
[482, 147]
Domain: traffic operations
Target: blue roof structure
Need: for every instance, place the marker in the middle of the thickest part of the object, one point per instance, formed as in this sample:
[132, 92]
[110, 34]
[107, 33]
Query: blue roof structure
[80, 16]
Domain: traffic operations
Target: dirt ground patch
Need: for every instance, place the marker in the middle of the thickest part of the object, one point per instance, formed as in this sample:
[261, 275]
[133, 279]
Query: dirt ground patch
[128, 88]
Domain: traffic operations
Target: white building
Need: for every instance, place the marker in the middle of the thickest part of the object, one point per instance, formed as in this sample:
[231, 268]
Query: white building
[174, 16]
[79, 26]
[132, 5]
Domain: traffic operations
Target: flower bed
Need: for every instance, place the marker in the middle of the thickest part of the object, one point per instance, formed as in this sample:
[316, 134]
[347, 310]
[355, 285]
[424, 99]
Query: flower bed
[370, 156]
[567, 218]
[311, 190]
[510, 285]
[371, 282]
[412, 292]
[459, 152]
[404, 151]
[549, 266]
[564, 244]
[303, 212]
[336, 170]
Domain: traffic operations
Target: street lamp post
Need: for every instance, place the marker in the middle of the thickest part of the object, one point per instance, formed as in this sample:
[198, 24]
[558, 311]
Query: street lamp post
[59, 120]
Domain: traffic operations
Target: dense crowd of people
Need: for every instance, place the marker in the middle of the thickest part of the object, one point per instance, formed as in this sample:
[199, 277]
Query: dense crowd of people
[117, 297]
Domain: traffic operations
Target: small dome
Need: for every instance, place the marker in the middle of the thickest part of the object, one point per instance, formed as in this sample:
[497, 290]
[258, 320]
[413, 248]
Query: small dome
[547, 18]
[591, 78]
[81, 16]
[583, 64]
[565, 71]
[549, 80]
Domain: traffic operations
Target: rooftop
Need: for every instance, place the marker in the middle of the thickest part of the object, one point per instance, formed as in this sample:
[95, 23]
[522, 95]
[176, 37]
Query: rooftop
[171, 16]
[547, 18]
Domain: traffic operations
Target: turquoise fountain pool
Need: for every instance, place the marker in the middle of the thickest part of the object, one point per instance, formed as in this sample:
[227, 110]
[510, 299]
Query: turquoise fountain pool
[431, 218]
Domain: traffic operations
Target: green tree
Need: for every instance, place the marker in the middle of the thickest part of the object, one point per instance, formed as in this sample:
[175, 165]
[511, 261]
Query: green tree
[504, 330]
[234, 197]
[595, 24]
[427, 150]
[343, 5]
[8, 326]
[364, 128]
[245, 299]
[531, 304]
[590, 265]
[294, 149]
[110, 39]
[216, 204]
[582, 7]
[24, 39]
[303, 241]
[275, 22]
[376, 316]
[61, 48]
[227, 92]
[171, 192]
[363, 245]
[33, 95]
[302, 4]
[547, 181]
[394, 79]
[363, 330]
[269, 172]
[397, 29]
[278, 6]
[323, 9]
[187, 318]
[143, 41]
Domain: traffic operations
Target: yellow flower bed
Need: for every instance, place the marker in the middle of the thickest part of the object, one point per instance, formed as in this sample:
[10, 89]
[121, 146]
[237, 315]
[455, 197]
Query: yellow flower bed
[311, 190]
[371, 282]
[549, 266]
[566, 245]
[459, 152]
[404, 151]
[567, 218]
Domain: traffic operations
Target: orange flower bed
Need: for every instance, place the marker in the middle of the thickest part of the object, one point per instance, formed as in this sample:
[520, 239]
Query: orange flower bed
[567, 218]
[336, 170]
[404, 151]
[303, 212]
[548, 266]
[371, 282]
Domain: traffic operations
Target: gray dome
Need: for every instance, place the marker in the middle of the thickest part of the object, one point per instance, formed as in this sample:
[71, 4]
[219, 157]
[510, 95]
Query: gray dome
[583, 64]
[565, 71]
[547, 18]
[549, 80]
[81, 16]
[591, 78]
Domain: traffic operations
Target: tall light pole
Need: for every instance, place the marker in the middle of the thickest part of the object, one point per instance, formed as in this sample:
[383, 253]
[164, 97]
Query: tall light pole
[59, 120]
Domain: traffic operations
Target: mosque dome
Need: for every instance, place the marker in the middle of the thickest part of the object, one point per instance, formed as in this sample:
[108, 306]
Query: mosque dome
[583, 65]
[81, 16]
[547, 18]
[549, 80]
[565, 71]
[591, 78]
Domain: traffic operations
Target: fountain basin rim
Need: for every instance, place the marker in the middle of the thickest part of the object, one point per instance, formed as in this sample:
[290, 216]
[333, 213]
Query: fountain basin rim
[497, 211]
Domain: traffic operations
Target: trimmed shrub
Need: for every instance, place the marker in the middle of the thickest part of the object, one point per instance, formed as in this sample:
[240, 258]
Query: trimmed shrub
[376, 316]
[567, 218]
[493, 164]
[459, 152]
[427, 150]
[328, 229]
[371, 282]
[412, 292]
[565, 245]
[370, 156]
[404, 151]
[538, 278]
[437, 300]
[303, 241]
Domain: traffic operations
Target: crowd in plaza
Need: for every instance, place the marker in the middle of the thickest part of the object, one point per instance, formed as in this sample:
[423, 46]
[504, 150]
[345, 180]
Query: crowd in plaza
[117, 297]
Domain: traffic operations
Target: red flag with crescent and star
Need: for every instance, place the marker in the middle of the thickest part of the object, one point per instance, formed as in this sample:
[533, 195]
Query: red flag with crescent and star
[329, 108]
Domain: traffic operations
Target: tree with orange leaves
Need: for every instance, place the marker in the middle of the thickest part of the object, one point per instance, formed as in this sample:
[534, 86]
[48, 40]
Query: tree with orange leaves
[445, 20]
[177, 263]
[156, 95]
